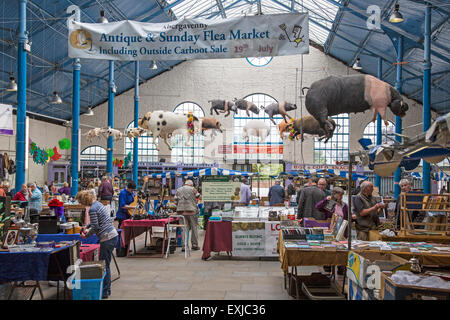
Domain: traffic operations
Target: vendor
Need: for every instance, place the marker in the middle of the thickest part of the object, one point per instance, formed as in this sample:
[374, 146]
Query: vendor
[246, 194]
[126, 197]
[65, 189]
[22, 194]
[366, 209]
[102, 225]
[6, 187]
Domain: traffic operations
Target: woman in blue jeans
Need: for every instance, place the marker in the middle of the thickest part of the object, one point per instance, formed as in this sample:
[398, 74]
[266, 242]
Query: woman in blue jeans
[102, 225]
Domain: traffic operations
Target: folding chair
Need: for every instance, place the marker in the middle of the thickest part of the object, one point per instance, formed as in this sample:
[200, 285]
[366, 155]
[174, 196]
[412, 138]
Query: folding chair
[184, 228]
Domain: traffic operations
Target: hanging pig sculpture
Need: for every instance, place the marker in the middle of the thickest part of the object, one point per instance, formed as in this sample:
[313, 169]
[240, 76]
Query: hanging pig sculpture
[223, 106]
[246, 105]
[310, 126]
[356, 93]
[210, 124]
[257, 128]
[279, 108]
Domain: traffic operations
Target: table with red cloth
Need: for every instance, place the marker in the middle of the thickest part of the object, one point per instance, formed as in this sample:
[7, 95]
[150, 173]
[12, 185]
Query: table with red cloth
[89, 252]
[217, 238]
[134, 228]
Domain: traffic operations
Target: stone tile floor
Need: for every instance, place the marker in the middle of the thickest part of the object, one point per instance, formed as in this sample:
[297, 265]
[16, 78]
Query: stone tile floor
[194, 279]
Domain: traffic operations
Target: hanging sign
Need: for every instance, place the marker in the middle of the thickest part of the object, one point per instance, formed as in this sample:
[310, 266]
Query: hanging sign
[254, 36]
[222, 188]
[6, 119]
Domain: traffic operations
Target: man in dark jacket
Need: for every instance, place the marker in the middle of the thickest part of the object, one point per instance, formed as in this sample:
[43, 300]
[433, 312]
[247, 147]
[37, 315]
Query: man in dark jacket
[307, 200]
[106, 190]
[276, 193]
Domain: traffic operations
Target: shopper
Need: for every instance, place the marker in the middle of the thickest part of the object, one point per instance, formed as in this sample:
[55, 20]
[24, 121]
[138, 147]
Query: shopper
[102, 225]
[307, 200]
[46, 189]
[22, 195]
[2, 191]
[340, 209]
[34, 197]
[246, 194]
[276, 193]
[52, 188]
[126, 197]
[106, 190]
[443, 190]
[186, 199]
[6, 187]
[366, 209]
[65, 189]
[322, 184]
[91, 189]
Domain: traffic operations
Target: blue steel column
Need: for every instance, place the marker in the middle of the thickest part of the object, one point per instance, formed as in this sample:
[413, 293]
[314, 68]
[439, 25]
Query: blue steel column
[75, 126]
[398, 120]
[109, 153]
[136, 119]
[379, 75]
[21, 96]
[426, 93]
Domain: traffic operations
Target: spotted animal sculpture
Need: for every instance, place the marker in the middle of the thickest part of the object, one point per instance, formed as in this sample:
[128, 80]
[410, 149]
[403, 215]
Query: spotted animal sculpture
[279, 108]
[165, 124]
[94, 133]
[310, 126]
[257, 128]
[134, 132]
[223, 106]
[356, 93]
[246, 105]
[116, 134]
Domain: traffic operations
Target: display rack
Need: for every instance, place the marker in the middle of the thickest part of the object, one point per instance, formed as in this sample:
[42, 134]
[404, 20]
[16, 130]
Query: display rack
[438, 225]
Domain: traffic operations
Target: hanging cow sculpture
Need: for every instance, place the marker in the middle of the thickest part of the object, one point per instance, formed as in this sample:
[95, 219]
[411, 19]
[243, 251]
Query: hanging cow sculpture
[279, 108]
[94, 133]
[242, 104]
[356, 93]
[164, 123]
[223, 106]
[134, 132]
[310, 126]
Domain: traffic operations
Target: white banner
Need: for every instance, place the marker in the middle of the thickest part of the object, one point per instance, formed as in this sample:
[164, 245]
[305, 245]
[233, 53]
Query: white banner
[6, 119]
[248, 238]
[272, 234]
[253, 36]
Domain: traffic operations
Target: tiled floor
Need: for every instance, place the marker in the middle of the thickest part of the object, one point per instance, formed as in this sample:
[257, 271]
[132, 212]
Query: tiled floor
[177, 278]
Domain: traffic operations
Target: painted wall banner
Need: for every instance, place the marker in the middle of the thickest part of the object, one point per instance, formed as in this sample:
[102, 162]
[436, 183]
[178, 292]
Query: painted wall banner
[272, 233]
[258, 149]
[6, 119]
[240, 37]
[248, 238]
[221, 189]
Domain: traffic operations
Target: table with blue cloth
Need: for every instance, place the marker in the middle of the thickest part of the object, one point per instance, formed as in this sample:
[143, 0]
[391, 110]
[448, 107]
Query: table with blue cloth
[58, 237]
[35, 266]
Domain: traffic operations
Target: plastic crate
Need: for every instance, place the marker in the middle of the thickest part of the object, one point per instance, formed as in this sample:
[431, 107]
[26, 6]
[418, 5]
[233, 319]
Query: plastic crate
[90, 289]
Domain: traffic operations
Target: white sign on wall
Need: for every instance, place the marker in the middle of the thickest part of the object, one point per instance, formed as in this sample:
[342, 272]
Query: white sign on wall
[240, 37]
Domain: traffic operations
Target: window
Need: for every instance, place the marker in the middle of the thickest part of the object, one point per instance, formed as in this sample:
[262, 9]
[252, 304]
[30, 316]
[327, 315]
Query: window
[253, 150]
[146, 148]
[259, 61]
[195, 152]
[336, 149]
[93, 153]
[386, 131]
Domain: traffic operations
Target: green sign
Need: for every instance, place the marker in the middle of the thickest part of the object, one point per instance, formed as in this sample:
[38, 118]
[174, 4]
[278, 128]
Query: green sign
[226, 190]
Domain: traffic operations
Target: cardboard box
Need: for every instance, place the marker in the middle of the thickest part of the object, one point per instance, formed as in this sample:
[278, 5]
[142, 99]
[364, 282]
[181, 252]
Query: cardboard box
[394, 291]
[92, 269]
[355, 292]
[360, 270]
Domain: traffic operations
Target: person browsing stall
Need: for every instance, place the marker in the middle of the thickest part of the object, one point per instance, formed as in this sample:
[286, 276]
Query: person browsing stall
[126, 197]
[106, 190]
[246, 194]
[6, 187]
[340, 208]
[307, 200]
[101, 224]
[366, 209]
[22, 194]
[186, 199]
[34, 197]
[65, 189]
[276, 193]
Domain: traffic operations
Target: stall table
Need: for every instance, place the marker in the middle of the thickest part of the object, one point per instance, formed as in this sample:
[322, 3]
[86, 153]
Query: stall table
[374, 235]
[217, 238]
[134, 228]
[89, 252]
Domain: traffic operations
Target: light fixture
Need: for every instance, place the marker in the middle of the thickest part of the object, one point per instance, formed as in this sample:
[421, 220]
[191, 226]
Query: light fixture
[153, 65]
[357, 65]
[396, 16]
[12, 85]
[89, 112]
[56, 98]
[102, 18]
[114, 88]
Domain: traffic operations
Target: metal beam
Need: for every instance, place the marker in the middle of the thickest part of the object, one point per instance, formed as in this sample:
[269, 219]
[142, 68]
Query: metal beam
[335, 25]
[163, 10]
[222, 11]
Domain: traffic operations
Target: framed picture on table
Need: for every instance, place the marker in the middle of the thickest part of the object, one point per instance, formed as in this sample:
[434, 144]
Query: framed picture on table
[11, 236]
